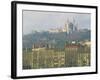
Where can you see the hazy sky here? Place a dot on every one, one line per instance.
(42, 20)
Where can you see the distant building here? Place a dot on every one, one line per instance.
(71, 54)
(69, 27)
(43, 45)
(39, 46)
(72, 47)
(45, 56)
(86, 43)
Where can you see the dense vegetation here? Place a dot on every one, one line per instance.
(58, 39)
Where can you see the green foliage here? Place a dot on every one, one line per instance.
(59, 38)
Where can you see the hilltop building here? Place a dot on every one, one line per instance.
(69, 27)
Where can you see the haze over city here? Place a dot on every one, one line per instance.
(42, 20)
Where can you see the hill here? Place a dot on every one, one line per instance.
(58, 39)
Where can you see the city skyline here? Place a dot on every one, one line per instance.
(43, 21)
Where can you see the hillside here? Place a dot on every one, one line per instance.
(58, 39)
